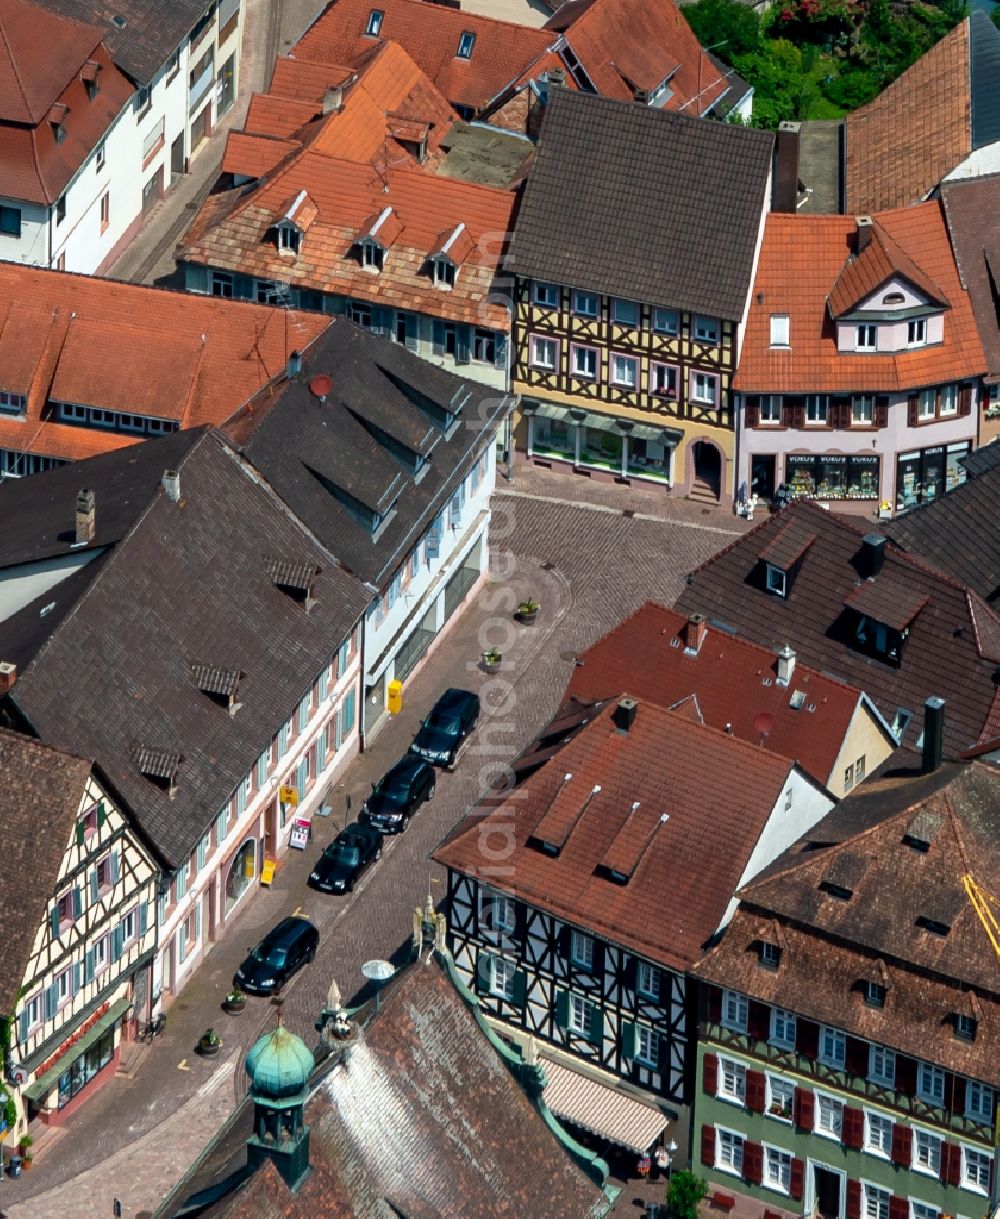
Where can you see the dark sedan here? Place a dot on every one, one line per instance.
(279, 955)
(346, 859)
(444, 732)
(398, 794)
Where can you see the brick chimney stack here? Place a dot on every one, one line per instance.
(86, 516)
(695, 630)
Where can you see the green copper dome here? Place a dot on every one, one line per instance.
(279, 1065)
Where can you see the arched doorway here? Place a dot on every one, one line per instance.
(241, 873)
(707, 482)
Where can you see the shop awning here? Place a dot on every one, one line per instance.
(604, 1111)
(38, 1088)
(545, 410)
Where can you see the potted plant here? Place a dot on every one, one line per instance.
(235, 1001)
(24, 1147)
(527, 611)
(210, 1043)
(492, 659)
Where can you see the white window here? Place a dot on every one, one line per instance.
(625, 313)
(101, 156)
(878, 1134)
(502, 977)
(817, 409)
(624, 371)
(372, 255)
(965, 1027)
(783, 1028)
(374, 23)
(927, 408)
(100, 953)
(128, 927)
(579, 1014)
(704, 387)
(581, 950)
(930, 1084)
(882, 1066)
(775, 580)
(780, 1095)
(770, 408)
(862, 410)
(63, 986)
(465, 44)
(289, 238)
(927, 1152)
(545, 294)
(544, 352)
(916, 333)
(444, 272)
(734, 1011)
(876, 1202)
(729, 1151)
(832, 1046)
(665, 321)
(647, 1046)
(978, 1100)
(829, 1116)
(949, 399)
(585, 304)
(976, 1169)
(706, 329)
(585, 362)
(874, 991)
(777, 1169)
(647, 979)
(732, 1080)
(866, 337)
(920, 1210)
(770, 955)
(779, 330)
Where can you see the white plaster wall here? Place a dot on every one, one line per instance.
(32, 247)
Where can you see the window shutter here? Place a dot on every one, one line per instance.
(50, 1001)
(116, 867)
(519, 990)
(710, 1074)
(462, 345)
(54, 922)
(79, 833)
(562, 1008)
(95, 891)
(484, 965)
(856, 1057)
(182, 939)
(951, 1163)
(957, 1094)
(965, 400)
(197, 922)
(902, 1145)
(596, 1032)
(77, 901)
(708, 1146)
(899, 1208)
(853, 1200)
(412, 334)
(912, 410)
(803, 1104)
(807, 1038)
(882, 411)
(714, 1004)
(906, 1075)
(77, 971)
(755, 1091)
(628, 1040)
(102, 815)
(500, 351)
(753, 1162)
(752, 413)
(598, 966)
(630, 973)
(759, 1020)
(854, 1128)
(143, 918)
(798, 1174)
(117, 940)
(23, 1027)
(89, 965)
(437, 336)
(797, 412)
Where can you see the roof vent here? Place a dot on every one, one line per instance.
(933, 925)
(119, 21)
(171, 482)
(333, 99)
(797, 700)
(160, 766)
(296, 579)
(321, 385)
(8, 675)
(623, 716)
(872, 555)
(86, 521)
(219, 684)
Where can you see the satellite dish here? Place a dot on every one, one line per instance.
(763, 722)
(321, 385)
(378, 971)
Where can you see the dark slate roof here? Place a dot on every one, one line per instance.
(950, 650)
(187, 584)
(981, 460)
(304, 447)
(974, 229)
(153, 29)
(643, 203)
(40, 794)
(958, 533)
(984, 69)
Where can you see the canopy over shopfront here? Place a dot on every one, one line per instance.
(601, 1110)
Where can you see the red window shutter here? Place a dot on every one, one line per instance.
(899, 1208)
(951, 1163)
(957, 1094)
(803, 1105)
(714, 1004)
(906, 1075)
(759, 1021)
(807, 1038)
(755, 1091)
(857, 1056)
(753, 1162)
(912, 410)
(708, 1145)
(965, 400)
(902, 1145)
(840, 413)
(798, 1176)
(710, 1074)
(882, 411)
(853, 1200)
(752, 410)
(854, 1128)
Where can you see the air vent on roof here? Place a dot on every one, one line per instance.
(840, 892)
(797, 700)
(916, 844)
(296, 579)
(220, 685)
(119, 21)
(159, 765)
(932, 925)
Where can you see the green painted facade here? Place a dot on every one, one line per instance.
(818, 1149)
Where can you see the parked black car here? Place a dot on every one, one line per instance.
(279, 955)
(398, 794)
(345, 860)
(444, 731)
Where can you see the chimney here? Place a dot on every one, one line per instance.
(556, 78)
(695, 630)
(86, 525)
(933, 735)
(172, 484)
(786, 665)
(641, 96)
(785, 192)
(294, 364)
(864, 234)
(333, 99)
(872, 555)
(8, 675)
(623, 716)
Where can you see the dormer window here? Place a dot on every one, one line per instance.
(372, 256)
(893, 298)
(374, 26)
(91, 77)
(11, 403)
(774, 580)
(444, 273)
(465, 44)
(289, 239)
(965, 1026)
(769, 955)
(57, 121)
(866, 337)
(874, 993)
(916, 333)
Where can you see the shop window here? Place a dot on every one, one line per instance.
(93, 1060)
(553, 436)
(926, 474)
(831, 476)
(602, 449)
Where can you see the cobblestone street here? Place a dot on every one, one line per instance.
(588, 565)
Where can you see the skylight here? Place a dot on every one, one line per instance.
(374, 26)
(465, 45)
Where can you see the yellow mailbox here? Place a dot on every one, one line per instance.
(395, 697)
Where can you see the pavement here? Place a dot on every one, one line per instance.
(589, 565)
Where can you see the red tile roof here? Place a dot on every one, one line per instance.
(665, 788)
(40, 54)
(881, 260)
(801, 261)
(733, 681)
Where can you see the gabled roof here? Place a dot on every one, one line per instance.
(733, 681)
(191, 359)
(40, 53)
(945, 653)
(672, 242)
(805, 271)
(194, 574)
(40, 794)
(881, 260)
(643, 804)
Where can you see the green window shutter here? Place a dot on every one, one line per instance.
(348, 712)
(520, 989)
(116, 868)
(79, 833)
(437, 337)
(463, 345)
(628, 1040)
(596, 1036)
(102, 815)
(562, 1008)
(77, 901)
(484, 972)
(23, 1029)
(95, 891)
(54, 922)
(143, 918)
(117, 941)
(89, 965)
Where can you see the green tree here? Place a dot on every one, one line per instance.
(684, 1193)
(730, 27)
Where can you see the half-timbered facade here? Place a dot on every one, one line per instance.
(847, 1059)
(77, 893)
(580, 933)
(631, 290)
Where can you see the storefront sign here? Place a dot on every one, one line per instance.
(300, 834)
(71, 1041)
(288, 795)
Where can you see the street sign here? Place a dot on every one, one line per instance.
(288, 795)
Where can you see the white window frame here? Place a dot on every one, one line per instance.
(769, 410)
(705, 387)
(668, 372)
(776, 1088)
(666, 321)
(838, 1038)
(965, 1026)
(878, 1134)
(647, 1045)
(647, 980)
(589, 374)
(374, 25)
(983, 1109)
(926, 1152)
(579, 1014)
(863, 410)
(949, 400)
(289, 238)
(927, 404)
(923, 1210)
(874, 1201)
(916, 332)
(777, 1174)
(502, 973)
(782, 1028)
(882, 1066)
(504, 914)
(828, 1121)
(581, 950)
(444, 272)
(817, 410)
(735, 1011)
(732, 1085)
(541, 342)
(780, 330)
(976, 1164)
(729, 1151)
(770, 954)
(775, 580)
(933, 1095)
(862, 334)
(624, 361)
